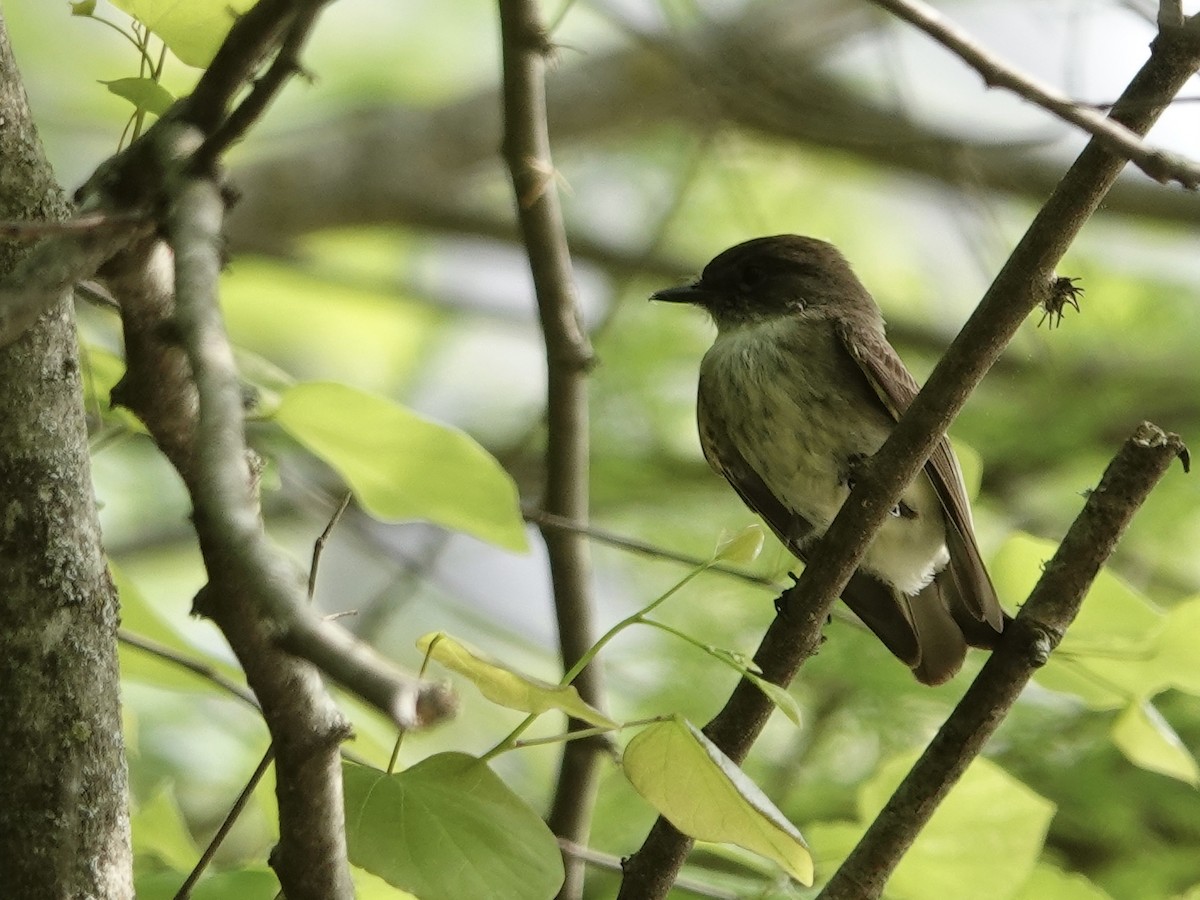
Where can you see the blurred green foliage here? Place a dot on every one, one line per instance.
(431, 308)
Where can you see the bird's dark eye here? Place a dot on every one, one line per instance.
(753, 277)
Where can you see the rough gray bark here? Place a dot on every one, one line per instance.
(64, 824)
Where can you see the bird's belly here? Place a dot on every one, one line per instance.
(803, 440)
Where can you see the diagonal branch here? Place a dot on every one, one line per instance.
(71, 251)
(1160, 165)
(282, 68)
(1021, 284)
(1035, 632)
(568, 358)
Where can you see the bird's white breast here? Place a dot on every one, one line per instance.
(770, 387)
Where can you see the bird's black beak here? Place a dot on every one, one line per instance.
(685, 293)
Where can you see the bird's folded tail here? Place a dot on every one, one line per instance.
(928, 631)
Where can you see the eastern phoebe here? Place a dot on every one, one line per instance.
(798, 388)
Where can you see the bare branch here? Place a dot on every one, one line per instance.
(283, 67)
(222, 832)
(795, 635)
(543, 519)
(568, 358)
(322, 540)
(613, 864)
(197, 667)
(1037, 630)
(253, 37)
(247, 579)
(71, 251)
(1160, 165)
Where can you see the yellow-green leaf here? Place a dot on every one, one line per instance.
(193, 29)
(143, 93)
(159, 831)
(1148, 741)
(742, 547)
(507, 688)
(1051, 881)
(779, 696)
(702, 793)
(449, 829)
(402, 466)
(989, 830)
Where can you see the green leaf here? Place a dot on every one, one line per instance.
(144, 93)
(139, 617)
(447, 829)
(1109, 654)
(238, 884)
(505, 687)
(971, 464)
(1148, 741)
(372, 887)
(988, 831)
(1177, 643)
(159, 831)
(702, 793)
(83, 8)
(779, 696)
(742, 547)
(402, 466)
(193, 29)
(1051, 881)
(1113, 617)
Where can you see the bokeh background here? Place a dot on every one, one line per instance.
(374, 244)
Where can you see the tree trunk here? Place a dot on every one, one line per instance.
(64, 823)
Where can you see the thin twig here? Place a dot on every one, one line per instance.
(544, 519)
(568, 358)
(283, 67)
(243, 797)
(1037, 630)
(795, 635)
(70, 252)
(1160, 165)
(89, 222)
(321, 541)
(195, 666)
(613, 864)
(203, 670)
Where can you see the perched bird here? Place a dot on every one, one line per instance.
(799, 387)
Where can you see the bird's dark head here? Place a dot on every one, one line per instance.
(783, 275)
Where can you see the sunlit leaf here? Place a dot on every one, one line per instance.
(1110, 653)
(402, 466)
(159, 830)
(702, 793)
(193, 29)
(1113, 615)
(236, 884)
(1048, 881)
(1148, 741)
(448, 828)
(742, 547)
(1177, 656)
(971, 464)
(140, 618)
(779, 696)
(143, 93)
(372, 887)
(504, 686)
(988, 831)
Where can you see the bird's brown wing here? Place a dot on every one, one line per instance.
(895, 387)
(877, 604)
